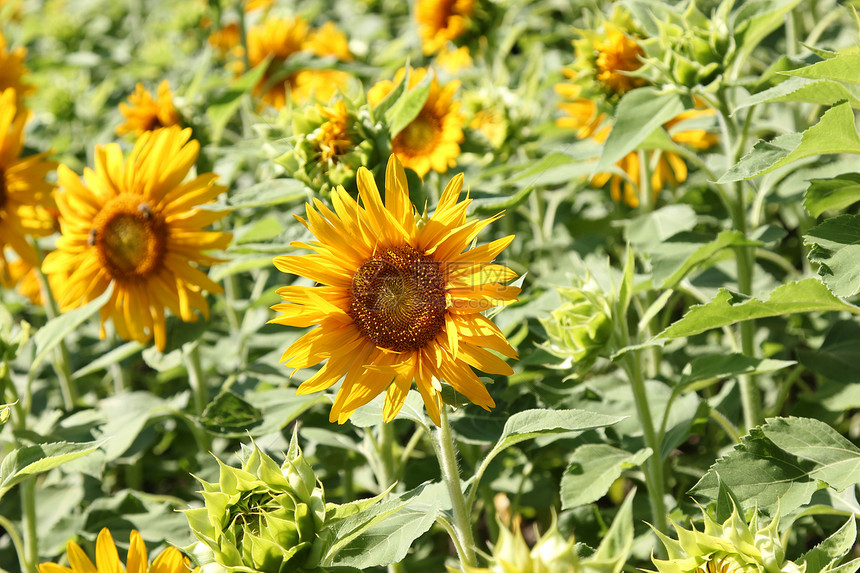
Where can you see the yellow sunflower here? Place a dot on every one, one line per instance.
(441, 21)
(144, 113)
(397, 301)
(667, 167)
(170, 560)
(136, 225)
(452, 61)
(617, 53)
(25, 196)
(12, 72)
(432, 139)
(334, 138)
(280, 38)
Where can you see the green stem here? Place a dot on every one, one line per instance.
(17, 542)
(28, 515)
(444, 442)
(191, 357)
(385, 451)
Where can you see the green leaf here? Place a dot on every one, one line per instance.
(832, 194)
(842, 68)
(755, 20)
(717, 366)
(836, 358)
(409, 105)
(639, 112)
(499, 203)
(727, 502)
(836, 248)
(267, 193)
(370, 415)
(223, 107)
(822, 92)
(30, 460)
(651, 229)
(831, 550)
(593, 468)
(727, 307)
(674, 259)
(230, 415)
(836, 459)
(58, 328)
(760, 474)
(611, 554)
(118, 354)
(127, 416)
(834, 133)
(783, 462)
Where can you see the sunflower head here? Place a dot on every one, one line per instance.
(442, 21)
(170, 560)
(13, 72)
(143, 112)
(279, 39)
(330, 142)
(431, 140)
(26, 203)
(135, 225)
(399, 298)
(733, 546)
(263, 516)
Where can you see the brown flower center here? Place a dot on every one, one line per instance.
(420, 135)
(398, 298)
(130, 239)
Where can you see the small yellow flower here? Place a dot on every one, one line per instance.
(146, 113)
(170, 560)
(453, 61)
(280, 38)
(397, 302)
(25, 196)
(334, 139)
(432, 139)
(135, 225)
(12, 72)
(227, 41)
(617, 53)
(441, 21)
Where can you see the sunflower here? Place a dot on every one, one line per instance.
(144, 113)
(280, 38)
(667, 167)
(398, 301)
(25, 196)
(617, 54)
(441, 21)
(12, 71)
(170, 560)
(135, 225)
(432, 139)
(452, 61)
(334, 139)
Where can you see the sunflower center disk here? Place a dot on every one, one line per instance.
(420, 134)
(130, 239)
(398, 298)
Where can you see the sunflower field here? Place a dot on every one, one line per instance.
(429, 286)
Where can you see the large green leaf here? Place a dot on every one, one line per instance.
(834, 133)
(221, 109)
(727, 307)
(675, 258)
(836, 248)
(831, 550)
(647, 231)
(714, 367)
(822, 92)
(842, 68)
(639, 112)
(755, 20)
(230, 415)
(409, 104)
(56, 329)
(592, 469)
(832, 194)
(836, 359)
(30, 460)
(782, 463)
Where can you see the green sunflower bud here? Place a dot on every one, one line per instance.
(581, 327)
(262, 516)
(734, 546)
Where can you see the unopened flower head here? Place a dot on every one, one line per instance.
(581, 327)
(263, 517)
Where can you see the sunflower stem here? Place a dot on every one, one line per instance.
(386, 454)
(68, 388)
(17, 542)
(191, 357)
(28, 515)
(445, 451)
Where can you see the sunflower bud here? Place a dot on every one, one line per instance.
(262, 517)
(551, 554)
(581, 327)
(734, 546)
